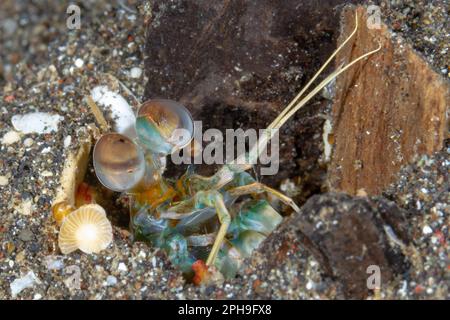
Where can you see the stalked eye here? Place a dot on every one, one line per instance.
(119, 163)
(164, 126)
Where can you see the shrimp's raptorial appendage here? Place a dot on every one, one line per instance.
(258, 187)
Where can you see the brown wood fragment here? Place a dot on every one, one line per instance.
(73, 173)
(388, 110)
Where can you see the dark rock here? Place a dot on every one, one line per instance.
(347, 234)
(238, 63)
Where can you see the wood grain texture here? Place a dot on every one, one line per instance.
(388, 110)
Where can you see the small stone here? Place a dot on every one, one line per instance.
(10, 137)
(38, 122)
(37, 296)
(20, 256)
(26, 235)
(9, 26)
(122, 267)
(79, 63)
(54, 262)
(47, 173)
(427, 230)
(3, 181)
(28, 142)
(309, 285)
(111, 281)
(135, 72)
(10, 247)
(20, 284)
(361, 193)
(26, 207)
(67, 141)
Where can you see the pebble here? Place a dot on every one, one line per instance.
(309, 285)
(28, 142)
(427, 230)
(3, 181)
(111, 281)
(79, 63)
(54, 262)
(26, 207)
(38, 122)
(46, 150)
(20, 257)
(46, 173)
(10, 137)
(67, 141)
(135, 72)
(122, 267)
(9, 26)
(20, 284)
(26, 235)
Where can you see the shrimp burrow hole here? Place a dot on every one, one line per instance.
(243, 211)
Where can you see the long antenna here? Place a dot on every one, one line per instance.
(243, 161)
(306, 87)
(323, 84)
(294, 106)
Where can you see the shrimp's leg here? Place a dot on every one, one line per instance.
(258, 187)
(215, 199)
(212, 199)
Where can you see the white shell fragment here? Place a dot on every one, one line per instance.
(39, 122)
(23, 283)
(327, 129)
(67, 141)
(10, 137)
(121, 112)
(87, 229)
(79, 63)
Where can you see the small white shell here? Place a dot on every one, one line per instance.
(87, 229)
(122, 113)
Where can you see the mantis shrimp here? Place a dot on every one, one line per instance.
(196, 218)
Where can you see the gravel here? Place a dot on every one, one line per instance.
(45, 67)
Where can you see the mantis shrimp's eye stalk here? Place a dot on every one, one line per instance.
(87, 229)
(119, 163)
(164, 126)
